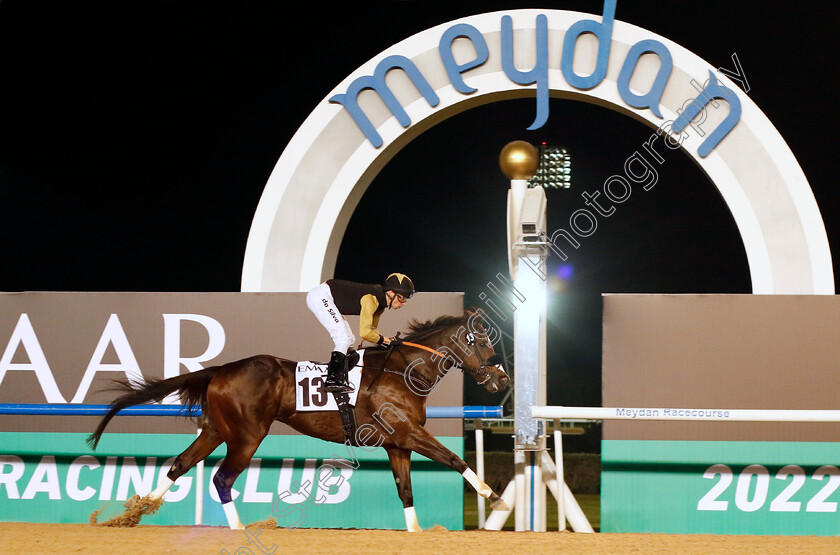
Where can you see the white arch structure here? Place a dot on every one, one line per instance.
(329, 163)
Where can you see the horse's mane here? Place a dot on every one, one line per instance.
(421, 329)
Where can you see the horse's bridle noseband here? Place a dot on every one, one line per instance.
(494, 360)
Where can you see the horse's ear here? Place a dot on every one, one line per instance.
(475, 318)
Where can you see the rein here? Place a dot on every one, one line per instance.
(383, 369)
(492, 361)
(417, 380)
(423, 347)
(442, 355)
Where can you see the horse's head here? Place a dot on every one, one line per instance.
(483, 363)
(464, 342)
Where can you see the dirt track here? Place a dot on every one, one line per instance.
(85, 538)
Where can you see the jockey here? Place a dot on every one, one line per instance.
(331, 300)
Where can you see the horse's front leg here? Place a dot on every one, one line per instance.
(422, 442)
(401, 466)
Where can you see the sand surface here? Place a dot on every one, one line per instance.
(87, 538)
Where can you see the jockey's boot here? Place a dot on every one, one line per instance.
(351, 360)
(337, 374)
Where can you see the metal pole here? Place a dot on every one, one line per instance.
(519, 161)
(479, 468)
(520, 506)
(199, 490)
(561, 478)
(563, 494)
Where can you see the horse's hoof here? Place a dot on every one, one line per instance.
(498, 504)
(131, 501)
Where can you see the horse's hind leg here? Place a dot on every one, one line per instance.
(199, 450)
(401, 466)
(238, 456)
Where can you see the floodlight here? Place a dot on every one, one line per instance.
(554, 170)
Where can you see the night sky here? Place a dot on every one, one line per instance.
(136, 140)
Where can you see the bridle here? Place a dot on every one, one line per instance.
(479, 374)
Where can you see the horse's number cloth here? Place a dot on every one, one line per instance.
(310, 394)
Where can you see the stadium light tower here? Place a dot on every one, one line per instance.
(554, 170)
(534, 470)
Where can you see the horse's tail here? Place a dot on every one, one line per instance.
(191, 388)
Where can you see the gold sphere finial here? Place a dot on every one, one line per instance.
(519, 160)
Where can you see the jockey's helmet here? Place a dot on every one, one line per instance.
(400, 284)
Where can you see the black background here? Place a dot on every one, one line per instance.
(136, 140)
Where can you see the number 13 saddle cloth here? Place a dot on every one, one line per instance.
(310, 394)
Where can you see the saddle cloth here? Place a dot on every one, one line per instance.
(310, 394)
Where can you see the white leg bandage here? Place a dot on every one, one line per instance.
(162, 487)
(482, 488)
(411, 523)
(232, 516)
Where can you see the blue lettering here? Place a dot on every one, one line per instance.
(666, 129)
(603, 31)
(377, 82)
(712, 90)
(538, 75)
(453, 69)
(651, 99)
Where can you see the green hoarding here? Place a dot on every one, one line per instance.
(297, 480)
(720, 487)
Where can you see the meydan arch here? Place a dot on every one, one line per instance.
(352, 133)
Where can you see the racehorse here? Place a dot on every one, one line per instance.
(240, 400)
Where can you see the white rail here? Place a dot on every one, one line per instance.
(557, 413)
(702, 415)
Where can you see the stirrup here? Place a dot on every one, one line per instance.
(338, 386)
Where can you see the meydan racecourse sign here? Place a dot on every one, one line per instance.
(353, 132)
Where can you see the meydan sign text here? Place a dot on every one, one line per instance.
(440, 72)
(538, 76)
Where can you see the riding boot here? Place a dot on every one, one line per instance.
(351, 360)
(337, 374)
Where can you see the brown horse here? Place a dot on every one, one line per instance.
(240, 400)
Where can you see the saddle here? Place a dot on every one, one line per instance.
(310, 395)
